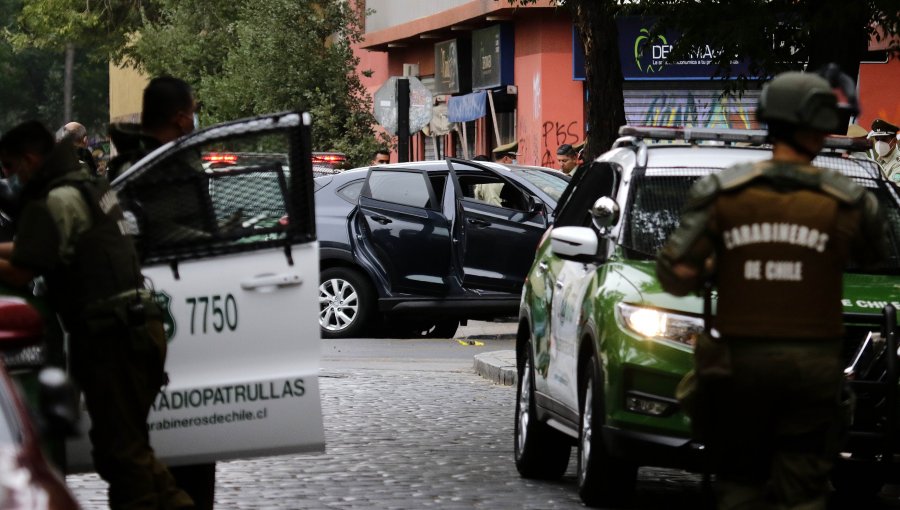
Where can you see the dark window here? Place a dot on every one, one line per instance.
(437, 184)
(350, 192)
(229, 195)
(405, 188)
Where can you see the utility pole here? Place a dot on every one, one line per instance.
(67, 83)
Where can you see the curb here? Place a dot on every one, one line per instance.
(497, 366)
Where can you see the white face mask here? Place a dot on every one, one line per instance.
(882, 148)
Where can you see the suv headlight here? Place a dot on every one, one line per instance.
(659, 325)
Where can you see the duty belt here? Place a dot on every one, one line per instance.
(130, 305)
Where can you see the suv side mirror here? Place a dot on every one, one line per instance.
(575, 243)
(604, 214)
(535, 205)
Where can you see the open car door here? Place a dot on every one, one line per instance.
(498, 227)
(225, 225)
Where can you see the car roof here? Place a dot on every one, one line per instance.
(712, 156)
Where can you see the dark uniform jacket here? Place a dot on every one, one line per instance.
(74, 239)
(782, 235)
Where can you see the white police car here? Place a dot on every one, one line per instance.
(231, 254)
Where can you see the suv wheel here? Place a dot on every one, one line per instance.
(540, 451)
(346, 301)
(602, 478)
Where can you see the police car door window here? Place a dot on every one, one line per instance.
(230, 195)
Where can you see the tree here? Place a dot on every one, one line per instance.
(242, 57)
(31, 85)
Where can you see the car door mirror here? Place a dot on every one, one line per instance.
(535, 205)
(574, 243)
(604, 214)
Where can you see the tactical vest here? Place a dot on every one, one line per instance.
(104, 263)
(783, 243)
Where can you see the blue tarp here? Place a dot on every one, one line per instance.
(467, 107)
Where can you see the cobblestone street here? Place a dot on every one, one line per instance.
(406, 439)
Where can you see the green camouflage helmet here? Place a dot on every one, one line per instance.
(799, 99)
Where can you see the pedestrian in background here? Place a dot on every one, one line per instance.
(381, 157)
(69, 232)
(567, 157)
(884, 136)
(769, 369)
(77, 133)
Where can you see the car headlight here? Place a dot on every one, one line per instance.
(660, 325)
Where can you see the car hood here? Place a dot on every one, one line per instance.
(863, 293)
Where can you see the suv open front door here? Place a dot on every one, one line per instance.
(232, 257)
(496, 222)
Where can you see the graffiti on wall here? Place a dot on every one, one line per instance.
(690, 109)
(554, 134)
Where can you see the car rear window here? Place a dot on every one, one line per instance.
(658, 196)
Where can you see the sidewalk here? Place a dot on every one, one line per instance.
(497, 366)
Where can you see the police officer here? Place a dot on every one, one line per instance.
(776, 236)
(884, 136)
(70, 232)
(506, 153)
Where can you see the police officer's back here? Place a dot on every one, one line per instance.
(775, 236)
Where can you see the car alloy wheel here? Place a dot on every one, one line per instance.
(603, 478)
(540, 451)
(347, 302)
(338, 304)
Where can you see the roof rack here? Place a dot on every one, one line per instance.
(748, 136)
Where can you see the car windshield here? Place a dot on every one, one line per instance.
(658, 195)
(550, 184)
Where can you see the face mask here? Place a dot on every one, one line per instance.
(882, 148)
(15, 185)
(515, 162)
(196, 122)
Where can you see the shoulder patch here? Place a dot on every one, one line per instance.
(840, 187)
(739, 175)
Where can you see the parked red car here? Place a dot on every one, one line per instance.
(27, 480)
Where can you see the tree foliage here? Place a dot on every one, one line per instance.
(242, 57)
(31, 82)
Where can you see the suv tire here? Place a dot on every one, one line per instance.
(346, 302)
(602, 478)
(540, 451)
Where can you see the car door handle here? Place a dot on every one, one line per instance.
(384, 220)
(478, 223)
(543, 266)
(560, 284)
(271, 281)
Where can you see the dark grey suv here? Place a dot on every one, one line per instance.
(419, 247)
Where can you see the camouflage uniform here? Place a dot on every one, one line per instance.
(70, 232)
(780, 235)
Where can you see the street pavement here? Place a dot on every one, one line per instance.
(408, 425)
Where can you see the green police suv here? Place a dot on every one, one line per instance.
(601, 347)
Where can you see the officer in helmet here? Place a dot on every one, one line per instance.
(884, 137)
(773, 237)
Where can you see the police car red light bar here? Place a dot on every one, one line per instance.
(329, 158)
(215, 157)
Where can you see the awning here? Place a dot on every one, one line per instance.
(467, 107)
